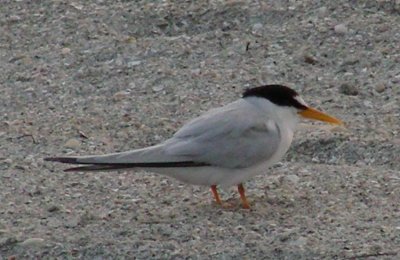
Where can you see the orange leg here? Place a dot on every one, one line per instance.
(215, 193)
(243, 196)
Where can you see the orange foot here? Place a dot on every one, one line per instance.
(241, 190)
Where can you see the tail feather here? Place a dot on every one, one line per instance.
(100, 166)
(151, 157)
(88, 168)
(71, 160)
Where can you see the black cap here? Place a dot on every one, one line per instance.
(277, 94)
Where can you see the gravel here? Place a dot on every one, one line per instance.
(97, 76)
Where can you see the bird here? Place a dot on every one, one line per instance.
(225, 146)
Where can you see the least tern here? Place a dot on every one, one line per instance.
(224, 146)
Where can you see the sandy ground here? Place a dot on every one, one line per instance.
(89, 77)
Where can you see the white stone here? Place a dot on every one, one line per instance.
(33, 242)
(341, 28)
(72, 143)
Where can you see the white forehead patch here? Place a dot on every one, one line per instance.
(301, 101)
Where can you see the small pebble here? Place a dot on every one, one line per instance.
(8, 161)
(292, 178)
(158, 88)
(65, 51)
(132, 85)
(368, 104)
(300, 242)
(33, 242)
(257, 28)
(315, 160)
(348, 89)
(134, 63)
(72, 143)
(380, 88)
(322, 11)
(396, 5)
(226, 26)
(4, 231)
(310, 59)
(14, 18)
(390, 106)
(53, 208)
(341, 28)
(71, 223)
(121, 95)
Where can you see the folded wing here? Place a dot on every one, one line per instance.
(235, 136)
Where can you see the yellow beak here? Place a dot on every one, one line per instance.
(318, 115)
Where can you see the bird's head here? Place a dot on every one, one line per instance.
(285, 97)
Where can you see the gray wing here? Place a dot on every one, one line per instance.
(235, 136)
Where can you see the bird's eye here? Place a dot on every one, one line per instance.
(301, 101)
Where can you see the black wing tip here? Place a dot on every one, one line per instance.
(119, 166)
(98, 167)
(74, 169)
(72, 160)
